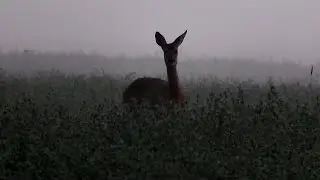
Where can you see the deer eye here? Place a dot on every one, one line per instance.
(165, 49)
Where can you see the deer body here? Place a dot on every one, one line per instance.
(155, 90)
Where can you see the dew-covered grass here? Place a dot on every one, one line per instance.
(55, 126)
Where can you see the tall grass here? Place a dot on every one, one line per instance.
(55, 126)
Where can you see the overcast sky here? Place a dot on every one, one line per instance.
(242, 28)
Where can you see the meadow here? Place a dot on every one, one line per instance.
(59, 126)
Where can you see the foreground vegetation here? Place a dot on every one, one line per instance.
(70, 127)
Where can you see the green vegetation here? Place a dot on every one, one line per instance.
(55, 126)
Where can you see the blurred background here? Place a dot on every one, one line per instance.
(244, 39)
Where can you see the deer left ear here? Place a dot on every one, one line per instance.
(179, 39)
(161, 41)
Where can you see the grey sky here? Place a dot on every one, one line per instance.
(244, 28)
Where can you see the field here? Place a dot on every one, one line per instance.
(58, 126)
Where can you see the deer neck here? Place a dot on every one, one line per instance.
(174, 83)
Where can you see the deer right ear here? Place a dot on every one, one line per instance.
(179, 39)
(161, 41)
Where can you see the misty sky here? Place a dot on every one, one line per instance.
(243, 28)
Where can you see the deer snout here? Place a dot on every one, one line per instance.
(171, 62)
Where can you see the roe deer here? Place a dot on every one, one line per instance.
(154, 90)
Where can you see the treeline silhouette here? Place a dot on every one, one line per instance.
(29, 62)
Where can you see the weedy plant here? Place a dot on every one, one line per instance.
(55, 126)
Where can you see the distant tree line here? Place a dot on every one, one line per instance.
(30, 61)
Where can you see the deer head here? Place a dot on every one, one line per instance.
(170, 50)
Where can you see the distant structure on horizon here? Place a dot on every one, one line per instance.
(30, 51)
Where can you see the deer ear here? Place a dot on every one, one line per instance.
(179, 39)
(161, 41)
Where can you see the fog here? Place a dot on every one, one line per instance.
(286, 29)
(243, 39)
(30, 63)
